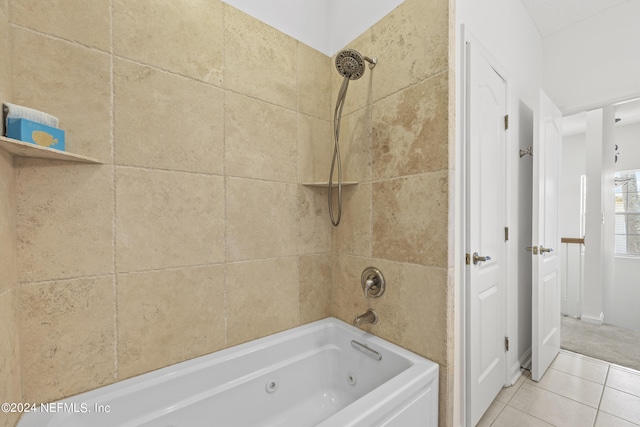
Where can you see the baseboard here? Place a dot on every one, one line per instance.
(594, 320)
(523, 362)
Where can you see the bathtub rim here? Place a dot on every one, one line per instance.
(419, 370)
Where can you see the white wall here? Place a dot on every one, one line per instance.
(608, 202)
(573, 166)
(621, 302)
(595, 62)
(325, 25)
(598, 256)
(590, 64)
(522, 212)
(621, 295)
(628, 140)
(506, 30)
(573, 161)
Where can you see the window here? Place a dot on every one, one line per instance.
(627, 212)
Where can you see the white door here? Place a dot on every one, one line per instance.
(546, 289)
(485, 222)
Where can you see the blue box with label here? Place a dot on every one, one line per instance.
(35, 133)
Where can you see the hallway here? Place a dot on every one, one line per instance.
(576, 391)
(607, 342)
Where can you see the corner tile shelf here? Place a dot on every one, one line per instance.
(25, 149)
(326, 184)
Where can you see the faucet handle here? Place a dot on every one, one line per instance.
(372, 282)
(370, 286)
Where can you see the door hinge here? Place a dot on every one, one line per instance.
(506, 234)
(506, 343)
(506, 122)
(467, 259)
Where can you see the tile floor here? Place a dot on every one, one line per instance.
(576, 391)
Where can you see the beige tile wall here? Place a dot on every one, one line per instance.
(194, 234)
(66, 336)
(396, 126)
(206, 126)
(68, 80)
(10, 374)
(151, 314)
(7, 181)
(7, 224)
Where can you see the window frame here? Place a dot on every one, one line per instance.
(626, 213)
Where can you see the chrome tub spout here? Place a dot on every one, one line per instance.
(370, 316)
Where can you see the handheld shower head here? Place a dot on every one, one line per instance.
(350, 63)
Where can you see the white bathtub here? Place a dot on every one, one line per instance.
(312, 375)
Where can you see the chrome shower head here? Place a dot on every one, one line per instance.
(350, 63)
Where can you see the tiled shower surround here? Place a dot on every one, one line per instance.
(196, 233)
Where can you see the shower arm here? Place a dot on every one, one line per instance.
(372, 61)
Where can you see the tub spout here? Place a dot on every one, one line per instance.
(369, 317)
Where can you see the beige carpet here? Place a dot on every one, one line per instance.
(610, 343)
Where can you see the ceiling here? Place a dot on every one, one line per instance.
(325, 25)
(551, 16)
(627, 112)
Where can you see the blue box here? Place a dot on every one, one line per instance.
(35, 133)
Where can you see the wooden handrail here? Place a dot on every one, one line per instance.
(579, 240)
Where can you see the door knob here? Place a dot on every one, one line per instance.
(543, 249)
(533, 249)
(477, 258)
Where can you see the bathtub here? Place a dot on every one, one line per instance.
(325, 373)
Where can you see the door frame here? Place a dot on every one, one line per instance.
(461, 355)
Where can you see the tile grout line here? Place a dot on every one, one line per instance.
(114, 230)
(584, 357)
(520, 410)
(597, 409)
(577, 376)
(524, 380)
(554, 393)
(527, 413)
(560, 395)
(604, 386)
(297, 166)
(498, 416)
(224, 178)
(57, 38)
